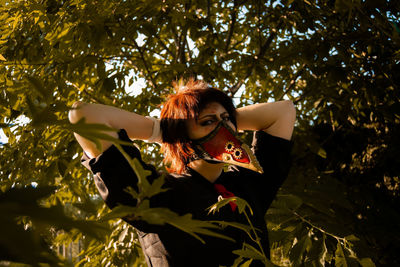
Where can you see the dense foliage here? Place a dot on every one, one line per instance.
(335, 59)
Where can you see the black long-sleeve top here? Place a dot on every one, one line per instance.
(192, 193)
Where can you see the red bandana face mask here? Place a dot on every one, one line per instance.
(222, 145)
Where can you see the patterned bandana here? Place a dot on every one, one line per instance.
(222, 145)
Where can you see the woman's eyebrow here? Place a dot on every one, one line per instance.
(208, 115)
(213, 115)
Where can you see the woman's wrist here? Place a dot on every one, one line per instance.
(156, 136)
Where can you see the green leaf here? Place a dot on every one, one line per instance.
(161, 216)
(184, 223)
(296, 254)
(27, 203)
(288, 201)
(241, 203)
(249, 252)
(366, 262)
(343, 258)
(64, 31)
(289, 2)
(246, 263)
(318, 252)
(243, 227)
(94, 132)
(38, 85)
(146, 190)
(118, 212)
(322, 153)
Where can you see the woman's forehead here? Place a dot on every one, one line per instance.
(212, 107)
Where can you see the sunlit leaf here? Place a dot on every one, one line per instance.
(241, 203)
(366, 262)
(297, 252)
(343, 258)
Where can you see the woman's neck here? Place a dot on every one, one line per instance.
(209, 171)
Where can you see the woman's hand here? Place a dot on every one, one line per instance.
(276, 118)
(136, 126)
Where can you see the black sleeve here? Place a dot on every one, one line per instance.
(273, 153)
(113, 174)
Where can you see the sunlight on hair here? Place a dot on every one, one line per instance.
(191, 83)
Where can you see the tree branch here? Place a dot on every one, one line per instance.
(293, 81)
(15, 63)
(152, 81)
(233, 90)
(164, 45)
(189, 51)
(268, 42)
(240, 41)
(338, 238)
(182, 38)
(176, 41)
(92, 97)
(231, 26)
(182, 41)
(147, 49)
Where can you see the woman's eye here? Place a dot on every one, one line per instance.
(207, 122)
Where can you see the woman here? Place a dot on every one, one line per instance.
(197, 134)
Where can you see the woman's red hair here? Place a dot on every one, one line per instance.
(187, 103)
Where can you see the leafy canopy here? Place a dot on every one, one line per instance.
(337, 60)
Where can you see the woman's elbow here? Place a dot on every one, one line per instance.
(288, 113)
(291, 108)
(288, 110)
(75, 114)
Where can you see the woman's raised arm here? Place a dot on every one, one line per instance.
(275, 118)
(136, 126)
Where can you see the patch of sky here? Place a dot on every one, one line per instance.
(229, 4)
(227, 65)
(131, 81)
(296, 93)
(333, 51)
(370, 73)
(136, 87)
(310, 32)
(22, 120)
(220, 22)
(137, 83)
(3, 138)
(239, 93)
(155, 113)
(389, 14)
(192, 47)
(275, 3)
(285, 37)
